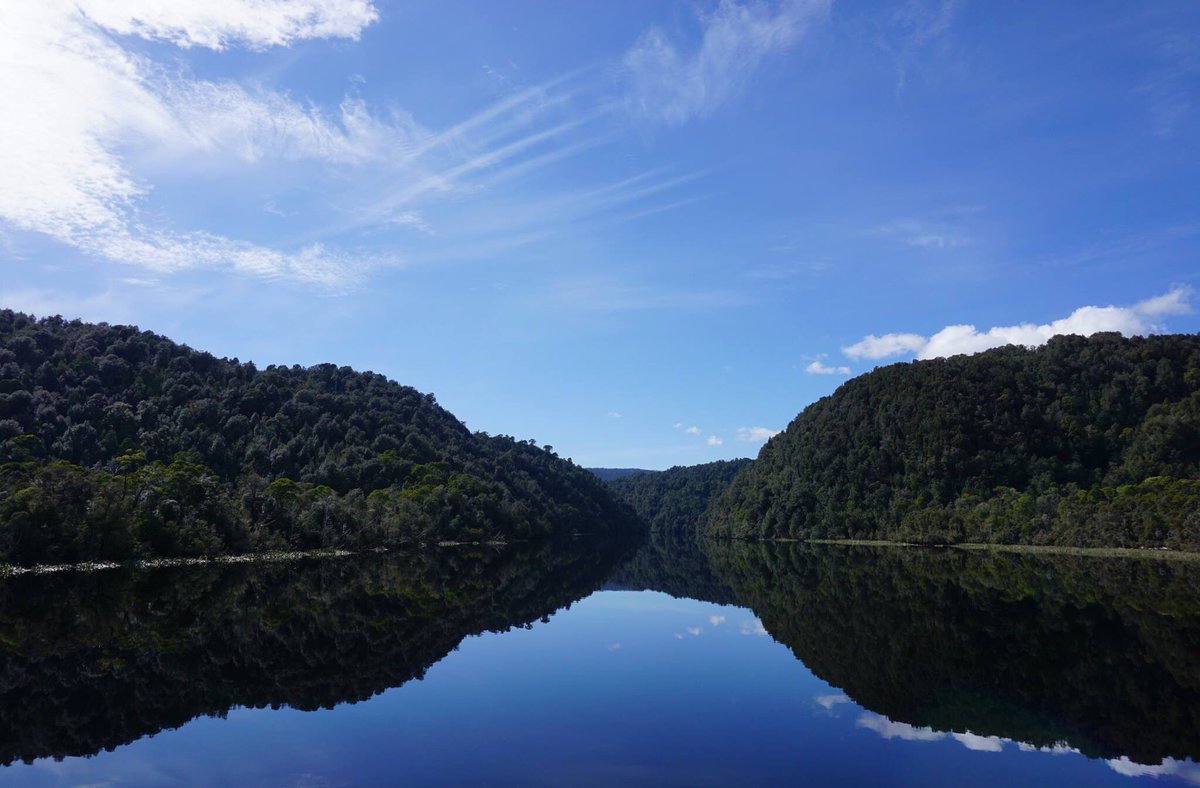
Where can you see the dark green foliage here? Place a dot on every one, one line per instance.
(610, 474)
(674, 564)
(1085, 441)
(117, 443)
(676, 499)
(93, 660)
(1100, 653)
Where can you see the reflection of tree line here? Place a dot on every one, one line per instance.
(674, 564)
(94, 660)
(1103, 654)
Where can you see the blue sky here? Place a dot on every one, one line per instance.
(645, 233)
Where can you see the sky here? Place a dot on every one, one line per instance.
(647, 234)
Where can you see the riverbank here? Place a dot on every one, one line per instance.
(1160, 553)
(10, 570)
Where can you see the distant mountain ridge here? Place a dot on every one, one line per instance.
(118, 443)
(1084, 441)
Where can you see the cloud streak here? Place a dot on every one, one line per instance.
(670, 84)
(1144, 317)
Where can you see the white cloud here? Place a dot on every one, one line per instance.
(673, 86)
(75, 98)
(678, 425)
(692, 430)
(755, 434)
(612, 414)
(873, 347)
(713, 440)
(716, 621)
(695, 630)
(1139, 319)
(817, 368)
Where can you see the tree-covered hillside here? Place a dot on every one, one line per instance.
(118, 443)
(675, 500)
(1085, 441)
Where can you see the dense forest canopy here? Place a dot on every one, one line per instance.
(1084, 441)
(675, 500)
(118, 443)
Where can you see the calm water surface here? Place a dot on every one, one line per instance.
(720, 665)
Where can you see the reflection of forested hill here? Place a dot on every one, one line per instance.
(93, 660)
(675, 565)
(1103, 654)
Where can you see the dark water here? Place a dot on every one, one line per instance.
(578, 665)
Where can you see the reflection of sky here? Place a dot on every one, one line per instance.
(611, 691)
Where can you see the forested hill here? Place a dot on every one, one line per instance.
(118, 443)
(1086, 441)
(675, 500)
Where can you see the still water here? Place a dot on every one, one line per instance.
(589, 664)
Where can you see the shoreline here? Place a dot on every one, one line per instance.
(268, 556)
(1160, 553)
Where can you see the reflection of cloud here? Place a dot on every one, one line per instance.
(829, 701)
(897, 730)
(889, 729)
(979, 743)
(695, 630)
(1187, 771)
(1061, 748)
(753, 626)
(716, 621)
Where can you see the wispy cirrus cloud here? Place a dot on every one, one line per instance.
(1144, 317)
(90, 121)
(673, 83)
(913, 28)
(924, 235)
(75, 99)
(218, 24)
